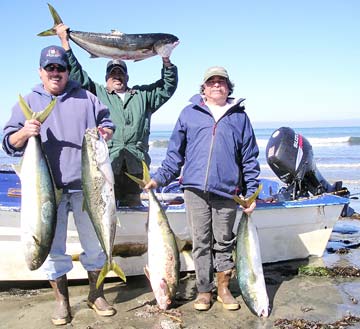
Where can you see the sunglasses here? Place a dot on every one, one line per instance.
(52, 68)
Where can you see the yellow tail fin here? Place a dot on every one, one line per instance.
(146, 176)
(106, 269)
(248, 201)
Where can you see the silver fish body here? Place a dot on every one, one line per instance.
(118, 45)
(99, 199)
(163, 255)
(249, 268)
(123, 46)
(38, 200)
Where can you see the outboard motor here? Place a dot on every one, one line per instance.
(290, 156)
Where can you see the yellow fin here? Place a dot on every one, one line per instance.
(57, 20)
(40, 116)
(106, 269)
(146, 176)
(248, 201)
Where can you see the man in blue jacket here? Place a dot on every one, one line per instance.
(61, 134)
(214, 144)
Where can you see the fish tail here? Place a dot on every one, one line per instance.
(57, 20)
(248, 201)
(146, 176)
(40, 116)
(106, 269)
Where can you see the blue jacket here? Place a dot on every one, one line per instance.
(218, 157)
(62, 132)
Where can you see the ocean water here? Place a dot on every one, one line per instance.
(336, 152)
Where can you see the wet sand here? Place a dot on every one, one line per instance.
(292, 296)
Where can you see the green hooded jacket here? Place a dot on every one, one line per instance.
(130, 142)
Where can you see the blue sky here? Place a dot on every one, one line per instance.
(292, 60)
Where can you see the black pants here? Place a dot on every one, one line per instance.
(127, 192)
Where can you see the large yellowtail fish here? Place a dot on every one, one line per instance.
(99, 199)
(38, 201)
(163, 267)
(118, 45)
(249, 268)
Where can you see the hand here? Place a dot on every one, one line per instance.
(166, 50)
(106, 133)
(62, 32)
(31, 128)
(151, 185)
(250, 209)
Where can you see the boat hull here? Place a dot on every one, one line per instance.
(287, 230)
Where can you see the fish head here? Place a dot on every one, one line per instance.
(165, 46)
(163, 295)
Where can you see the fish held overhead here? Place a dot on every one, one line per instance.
(118, 45)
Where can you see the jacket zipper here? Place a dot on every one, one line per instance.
(210, 156)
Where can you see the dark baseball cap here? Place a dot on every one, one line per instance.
(53, 55)
(115, 63)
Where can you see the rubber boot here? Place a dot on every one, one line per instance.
(224, 294)
(62, 312)
(96, 299)
(203, 301)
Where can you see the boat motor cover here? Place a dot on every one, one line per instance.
(290, 156)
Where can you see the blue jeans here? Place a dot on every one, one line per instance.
(92, 258)
(211, 220)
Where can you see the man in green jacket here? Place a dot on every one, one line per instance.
(130, 111)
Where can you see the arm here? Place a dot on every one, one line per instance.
(159, 92)
(174, 160)
(76, 71)
(250, 164)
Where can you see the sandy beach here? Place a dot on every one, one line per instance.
(310, 299)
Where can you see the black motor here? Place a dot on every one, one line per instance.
(290, 156)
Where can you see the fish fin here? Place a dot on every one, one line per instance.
(248, 201)
(104, 271)
(57, 20)
(40, 116)
(58, 195)
(17, 169)
(180, 243)
(146, 176)
(146, 271)
(117, 269)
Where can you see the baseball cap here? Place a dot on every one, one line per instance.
(115, 63)
(53, 55)
(215, 70)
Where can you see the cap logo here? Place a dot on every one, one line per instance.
(53, 53)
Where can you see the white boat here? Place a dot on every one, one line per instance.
(287, 230)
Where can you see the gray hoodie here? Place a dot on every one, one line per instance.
(62, 132)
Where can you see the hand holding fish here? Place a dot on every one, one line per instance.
(62, 32)
(250, 208)
(166, 49)
(19, 138)
(151, 185)
(106, 133)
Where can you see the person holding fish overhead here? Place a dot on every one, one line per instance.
(131, 109)
(70, 110)
(213, 142)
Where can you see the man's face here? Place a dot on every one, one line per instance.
(54, 78)
(216, 89)
(117, 80)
